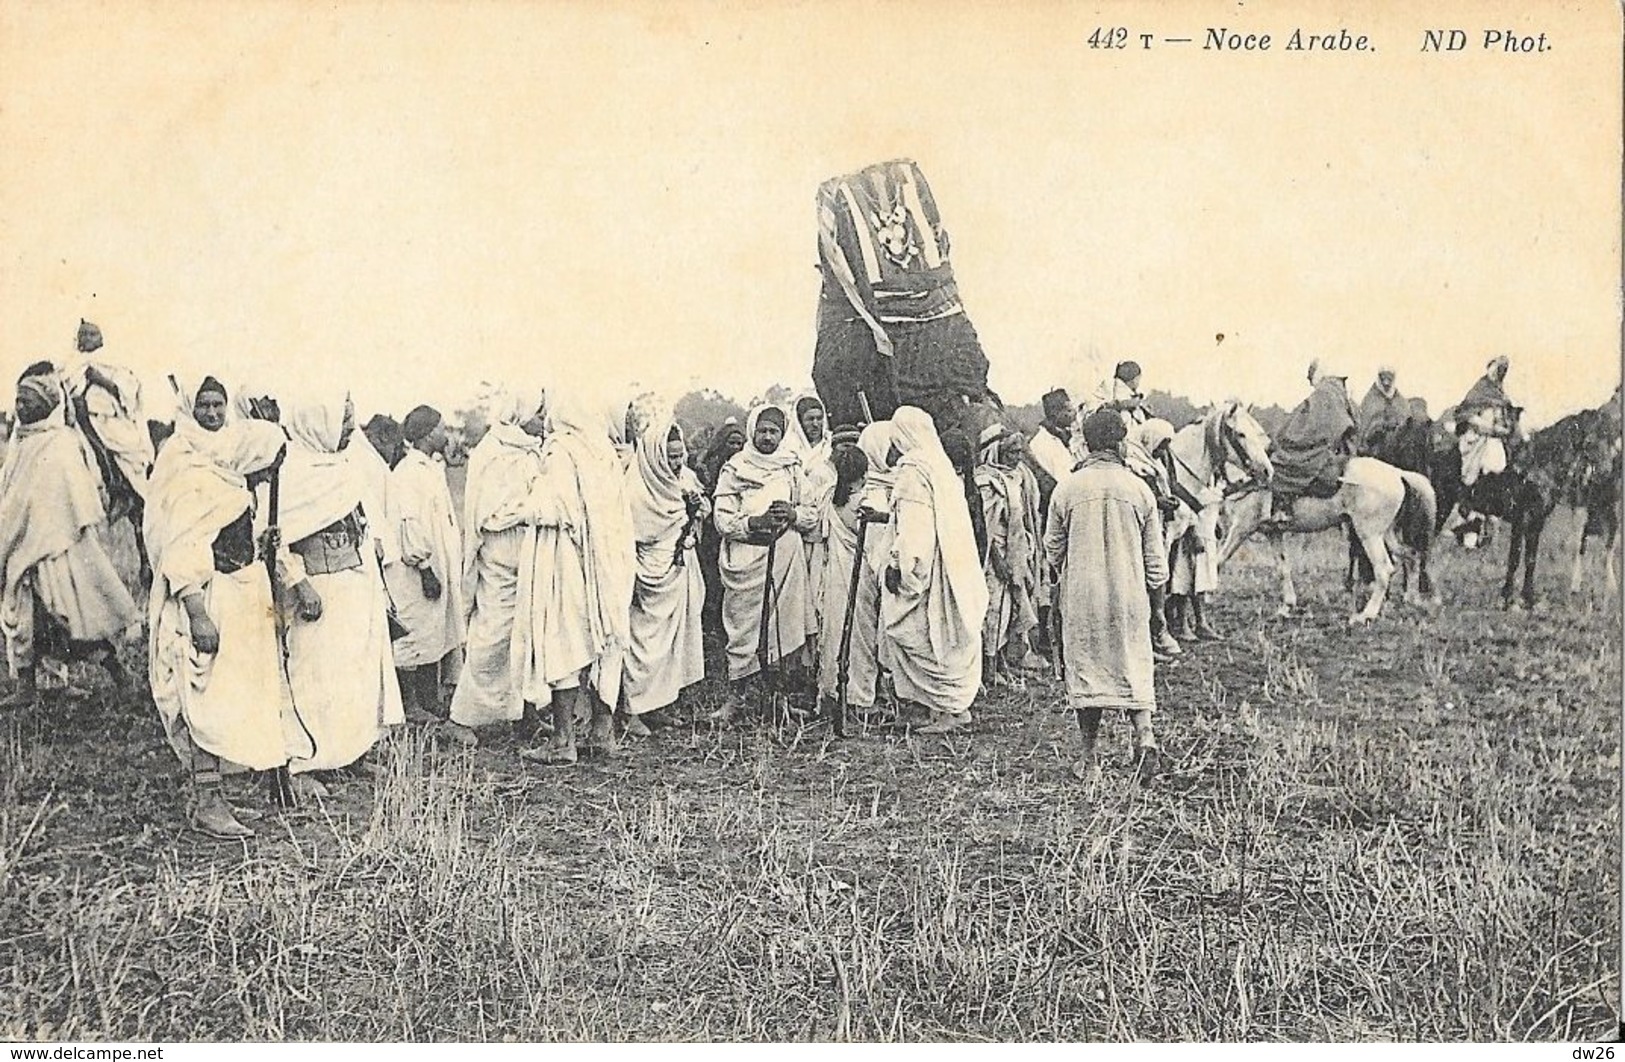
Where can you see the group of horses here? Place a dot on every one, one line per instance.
(1393, 513)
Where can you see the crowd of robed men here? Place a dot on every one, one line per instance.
(314, 586)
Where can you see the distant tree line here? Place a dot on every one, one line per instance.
(702, 412)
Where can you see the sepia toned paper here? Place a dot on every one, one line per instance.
(415, 197)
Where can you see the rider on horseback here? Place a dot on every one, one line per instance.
(1487, 431)
(1487, 424)
(1314, 444)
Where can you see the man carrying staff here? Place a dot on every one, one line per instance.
(216, 665)
(426, 586)
(760, 499)
(58, 586)
(1104, 536)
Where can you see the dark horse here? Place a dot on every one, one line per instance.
(1573, 461)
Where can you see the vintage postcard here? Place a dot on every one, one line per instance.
(761, 521)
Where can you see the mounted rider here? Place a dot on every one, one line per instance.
(1383, 412)
(1315, 444)
(1487, 424)
(1122, 395)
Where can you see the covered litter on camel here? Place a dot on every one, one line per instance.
(890, 321)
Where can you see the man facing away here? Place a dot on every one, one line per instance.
(1315, 443)
(1104, 537)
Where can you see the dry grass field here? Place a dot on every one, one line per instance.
(1408, 832)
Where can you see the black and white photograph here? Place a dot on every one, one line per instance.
(880, 521)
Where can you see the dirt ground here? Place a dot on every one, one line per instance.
(1403, 832)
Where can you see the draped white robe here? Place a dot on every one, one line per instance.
(934, 620)
(750, 482)
(234, 703)
(341, 668)
(666, 653)
(496, 540)
(428, 537)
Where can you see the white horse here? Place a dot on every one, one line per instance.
(1390, 510)
(1226, 449)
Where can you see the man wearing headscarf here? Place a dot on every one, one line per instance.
(809, 433)
(1143, 453)
(59, 590)
(1191, 530)
(581, 575)
(1485, 419)
(936, 597)
(728, 440)
(868, 655)
(216, 665)
(1122, 395)
(1383, 412)
(340, 666)
(1315, 443)
(426, 585)
(1009, 516)
(1104, 535)
(497, 538)
(761, 498)
(842, 515)
(666, 653)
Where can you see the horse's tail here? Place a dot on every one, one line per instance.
(1417, 521)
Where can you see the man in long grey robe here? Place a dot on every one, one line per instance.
(1103, 535)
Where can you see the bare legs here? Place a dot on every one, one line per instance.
(1147, 756)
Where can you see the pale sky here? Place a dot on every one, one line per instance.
(410, 197)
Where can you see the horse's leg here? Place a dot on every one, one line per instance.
(1245, 518)
(1406, 560)
(1382, 570)
(1289, 593)
(1531, 553)
(1514, 555)
(1576, 576)
(1610, 574)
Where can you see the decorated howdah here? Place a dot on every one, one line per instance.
(891, 327)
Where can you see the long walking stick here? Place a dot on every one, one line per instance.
(843, 657)
(281, 783)
(768, 685)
